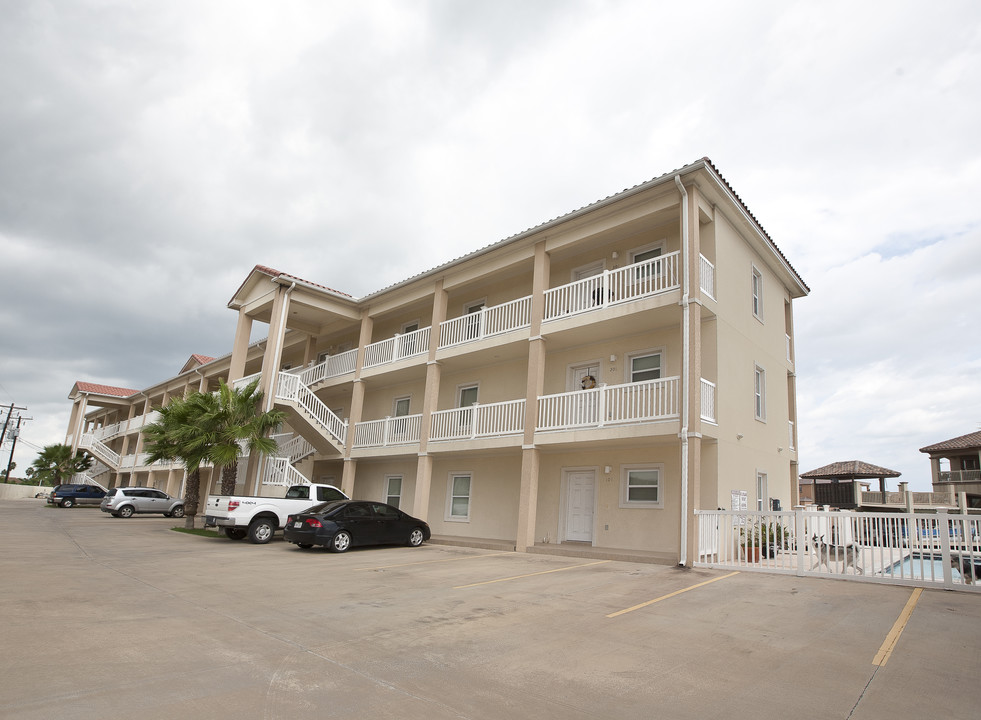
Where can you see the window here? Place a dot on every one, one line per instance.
(400, 408)
(645, 367)
(383, 511)
(329, 494)
(393, 493)
(473, 324)
(761, 491)
(760, 393)
(458, 498)
(645, 253)
(757, 294)
(640, 486)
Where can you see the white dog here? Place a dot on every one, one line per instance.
(826, 554)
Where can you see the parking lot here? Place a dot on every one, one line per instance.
(112, 618)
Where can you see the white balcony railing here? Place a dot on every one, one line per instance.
(708, 401)
(611, 287)
(243, 382)
(333, 366)
(486, 322)
(706, 276)
(402, 430)
(397, 348)
(610, 405)
(478, 421)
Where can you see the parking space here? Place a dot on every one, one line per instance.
(115, 618)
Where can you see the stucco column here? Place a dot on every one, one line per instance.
(935, 471)
(77, 423)
(348, 475)
(534, 387)
(430, 403)
(240, 347)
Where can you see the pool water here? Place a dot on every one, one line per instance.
(920, 568)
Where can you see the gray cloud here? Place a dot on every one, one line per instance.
(151, 155)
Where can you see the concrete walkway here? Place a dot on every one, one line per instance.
(111, 618)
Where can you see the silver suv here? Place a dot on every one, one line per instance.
(126, 501)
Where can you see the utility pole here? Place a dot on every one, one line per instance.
(15, 433)
(10, 414)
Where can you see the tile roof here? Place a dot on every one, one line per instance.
(202, 359)
(104, 389)
(964, 442)
(850, 469)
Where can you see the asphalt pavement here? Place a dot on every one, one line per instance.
(111, 618)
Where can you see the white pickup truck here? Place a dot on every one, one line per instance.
(260, 517)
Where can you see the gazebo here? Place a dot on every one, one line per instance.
(838, 489)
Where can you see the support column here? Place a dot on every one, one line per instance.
(534, 387)
(348, 475)
(430, 403)
(272, 359)
(240, 347)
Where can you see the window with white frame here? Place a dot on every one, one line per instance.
(757, 294)
(393, 490)
(761, 491)
(458, 497)
(640, 486)
(644, 366)
(760, 393)
(400, 407)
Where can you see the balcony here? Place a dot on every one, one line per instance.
(649, 401)
(613, 287)
(397, 348)
(956, 476)
(487, 322)
(479, 421)
(403, 430)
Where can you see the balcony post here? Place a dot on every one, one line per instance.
(385, 430)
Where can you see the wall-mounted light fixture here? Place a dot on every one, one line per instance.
(607, 469)
(739, 436)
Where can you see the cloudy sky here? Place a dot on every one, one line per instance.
(152, 153)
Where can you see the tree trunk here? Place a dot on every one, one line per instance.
(191, 498)
(229, 476)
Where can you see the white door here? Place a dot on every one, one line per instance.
(581, 489)
(585, 408)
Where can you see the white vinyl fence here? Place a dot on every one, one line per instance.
(927, 550)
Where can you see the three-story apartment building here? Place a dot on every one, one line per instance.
(594, 380)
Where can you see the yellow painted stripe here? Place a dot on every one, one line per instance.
(430, 562)
(518, 577)
(882, 657)
(671, 595)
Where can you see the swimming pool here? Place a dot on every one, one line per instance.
(920, 566)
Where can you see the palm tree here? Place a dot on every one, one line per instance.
(235, 425)
(211, 428)
(56, 463)
(178, 435)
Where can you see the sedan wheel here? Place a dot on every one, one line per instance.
(177, 511)
(125, 511)
(416, 537)
(340, 542)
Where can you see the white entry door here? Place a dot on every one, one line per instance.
(579, 520)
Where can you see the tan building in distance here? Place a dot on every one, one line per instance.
(593, 380)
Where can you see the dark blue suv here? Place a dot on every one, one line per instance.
(69, 495)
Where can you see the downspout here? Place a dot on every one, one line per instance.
(685, 343)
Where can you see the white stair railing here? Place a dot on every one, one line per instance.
(295, 448)
(280, 471)
(291, 389)
(99, 450)
(333, 366)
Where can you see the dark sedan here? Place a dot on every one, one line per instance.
(343, 524)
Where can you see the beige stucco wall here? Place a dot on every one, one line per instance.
(495, 481)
